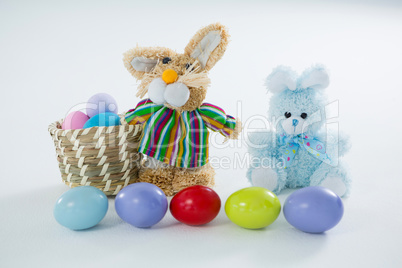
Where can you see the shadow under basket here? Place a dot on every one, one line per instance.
(104, 157)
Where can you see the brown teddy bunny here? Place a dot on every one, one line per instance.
(175, 119)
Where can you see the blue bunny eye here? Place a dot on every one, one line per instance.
(303, 115)
(287, 114)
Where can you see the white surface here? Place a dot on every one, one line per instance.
(56, 55)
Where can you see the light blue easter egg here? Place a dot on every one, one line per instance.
(103, 120)
(81, 207)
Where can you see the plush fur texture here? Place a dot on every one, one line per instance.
(305, 95)
(192, 73)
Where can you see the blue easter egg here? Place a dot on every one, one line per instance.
(313, 209)
(81, 208)
(101, 103)
(103, 120)
(141, 204)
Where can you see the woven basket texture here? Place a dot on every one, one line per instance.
(103, 157)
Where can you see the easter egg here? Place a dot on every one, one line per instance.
(313, 209)
(141, 204)
(253, 207)
(101, 103)
(81, 208)
(75, 120)
(103, 120)
(195, 205)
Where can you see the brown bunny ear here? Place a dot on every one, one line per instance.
(208, 45)
(141, 60)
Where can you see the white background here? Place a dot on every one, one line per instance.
(54, 55)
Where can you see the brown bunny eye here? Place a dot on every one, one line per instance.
(188, 66)
(166, 60)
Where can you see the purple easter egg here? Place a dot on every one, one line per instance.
(313, 209)
(75, 120)
(141, 204)
(101, 103)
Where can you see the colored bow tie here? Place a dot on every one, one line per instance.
(293, 143)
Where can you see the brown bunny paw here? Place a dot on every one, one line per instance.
(161, 177)
(186, 177)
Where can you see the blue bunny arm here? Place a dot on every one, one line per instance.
(344, 144)
(335, 141)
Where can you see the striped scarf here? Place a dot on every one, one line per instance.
(179, 139)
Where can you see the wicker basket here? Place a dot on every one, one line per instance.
(104, 157)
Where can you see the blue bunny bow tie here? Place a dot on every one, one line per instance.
(311, 144)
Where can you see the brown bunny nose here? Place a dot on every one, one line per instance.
(169, 76)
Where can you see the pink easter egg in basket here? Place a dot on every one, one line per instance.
(75, 120)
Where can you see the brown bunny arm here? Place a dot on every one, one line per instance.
(236, 132)
(142, 112)
(217, 120)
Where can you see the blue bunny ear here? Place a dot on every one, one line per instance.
(280, 79)
(315, 77)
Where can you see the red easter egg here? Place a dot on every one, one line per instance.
(195, 205)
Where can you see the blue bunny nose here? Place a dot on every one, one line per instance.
(295, 122)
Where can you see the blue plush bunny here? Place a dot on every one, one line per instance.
(298, 151)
